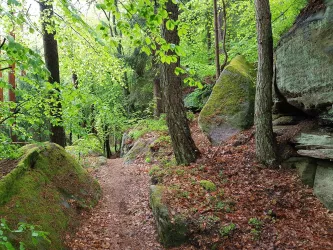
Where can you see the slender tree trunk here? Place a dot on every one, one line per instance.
(52, 64)
(11, 94)
(265, 142)
(11, 79)
(158, 97)
(183, 145)
(1, 89)
(107, 148)
(224, 35)
(217, 49)
(75, 81)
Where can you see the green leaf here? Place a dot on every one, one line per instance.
(170, 25)
(180, 51)
(148, 40)
(13, 2)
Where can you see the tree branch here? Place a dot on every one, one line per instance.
(6, 68)
(3, 42)
(15, 112)
(77, 32)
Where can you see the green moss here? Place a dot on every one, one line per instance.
(46, 189)
(208, 185)
(232, 99)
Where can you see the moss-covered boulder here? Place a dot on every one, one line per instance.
(171, 231)
(47, 188)
(230, 107)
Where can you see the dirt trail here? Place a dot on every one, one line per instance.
(122, 219)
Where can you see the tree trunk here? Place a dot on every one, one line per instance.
(265, 142)
(11, 94)
(107, 148)
(1, 89)
(183, 145)
(217, 49)
(158, 97)
(224, 35)
(52, 64)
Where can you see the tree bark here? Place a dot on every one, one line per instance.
(52, 64)
(183, 145)
(224, 35)
(217, 49)
(11, 93)
(1, 89)
(107, 148)
(265, 141)
(158, 97)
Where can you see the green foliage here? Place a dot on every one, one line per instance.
(148, 125)
(256, 227)
(148, 159)
(155, 169)
(208, 185)
(257, 223)
(23, 228)
(227, 230)
(196, 100)
(88, 145)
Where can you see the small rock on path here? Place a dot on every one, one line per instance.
(122, 219)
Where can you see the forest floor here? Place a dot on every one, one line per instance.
(122, 219)
(267, 208)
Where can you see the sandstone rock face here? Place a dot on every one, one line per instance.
(304, 63)
(230, 107)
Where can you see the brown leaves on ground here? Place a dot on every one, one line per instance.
(269, 208)
(122, 219)
(253, 207)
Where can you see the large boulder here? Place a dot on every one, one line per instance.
(230, 107)
(323, 185)
(48, 188)
(304, 62)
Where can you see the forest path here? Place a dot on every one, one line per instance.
(122, 219)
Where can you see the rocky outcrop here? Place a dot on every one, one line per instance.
(172, 230)
(303, 121)
(230, 107)
(304, 62)
(140, 148)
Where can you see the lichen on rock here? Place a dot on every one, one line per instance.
(230, 107)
